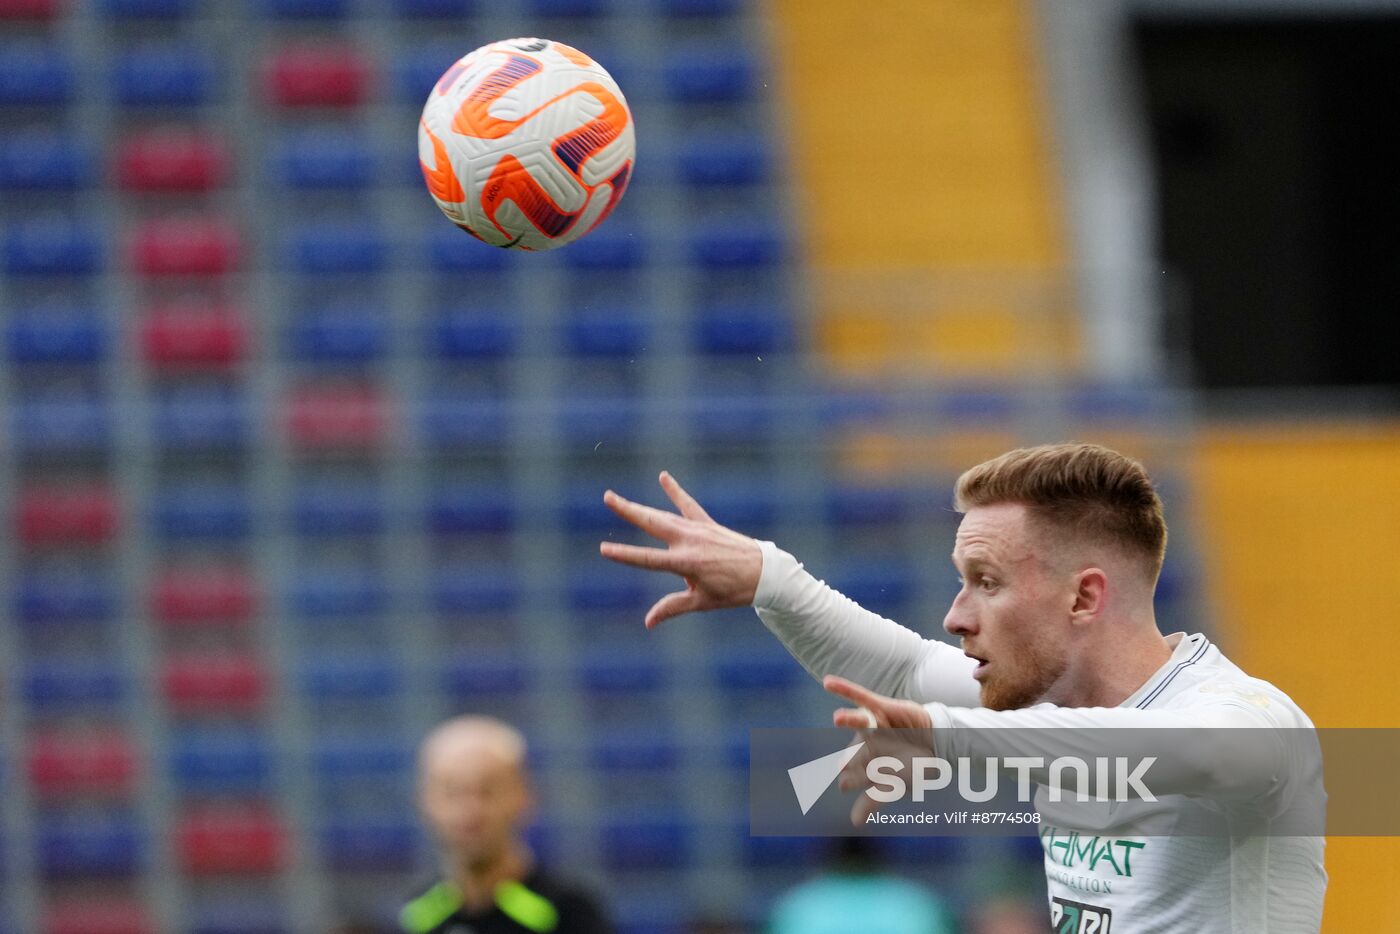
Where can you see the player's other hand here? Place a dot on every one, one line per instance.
(720, 566)
(888, 727)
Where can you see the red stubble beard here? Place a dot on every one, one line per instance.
(1020, 677)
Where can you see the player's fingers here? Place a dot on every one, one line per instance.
(854, 719)
(683, 500)
(673, 604)
(853, 692)
(663, 525)
(639, 556)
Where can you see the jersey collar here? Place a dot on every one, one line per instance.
(1187, 650)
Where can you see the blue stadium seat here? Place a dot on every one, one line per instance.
(848, 505)
(924, 851)
(479, 675)
(699, 7)
(1118, 402)
(584, 511)
(330, 249)
(453, 252)
(588, 420)
(306, 9)
(46, 161)
(740, 503)
(35, 74)
(719, 74)
(350, 677)
(763, 852)
(730, 419)
(67, 684)
(201, 418)
(755, 328)
(471, 334)
(50, 335)
(206, 511)
(746, 669)
(886, 587)
(434, 8)
(85, 844)
(239, 916)
(336, 593)
(417, 71)
(605, 587)
(339, 334)
(324, 159)
(453, 418)
(370, 842)
(735, 245)
(612, 332)
(655, 751)
(474, 589)
(164, 75)
(613, 246)
(221, 761)
(573, 8)
(329, 508)
(471, 508)
(69, 596)
(49, 247)
(148, 9)
(612, 671)
(660, 841)
(724, 159)
(60, 421)
(336, 759)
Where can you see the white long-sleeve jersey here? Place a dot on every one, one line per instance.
(1101, 877)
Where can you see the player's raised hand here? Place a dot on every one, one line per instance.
(888, 727)
(720, 566)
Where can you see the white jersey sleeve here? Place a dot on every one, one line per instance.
(830, 634)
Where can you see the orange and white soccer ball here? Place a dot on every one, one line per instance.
(526, 143)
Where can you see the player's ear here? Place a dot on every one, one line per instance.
(1090, 593)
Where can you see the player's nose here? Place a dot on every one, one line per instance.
(958, 621)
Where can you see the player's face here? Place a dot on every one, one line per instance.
(1010, 612)
(473, 800)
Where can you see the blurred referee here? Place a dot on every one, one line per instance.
(475, 796)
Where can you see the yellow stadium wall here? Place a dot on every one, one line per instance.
(1300, 535)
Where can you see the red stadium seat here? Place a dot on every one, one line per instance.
(70, 764)
(28, 9)
(108, 916)
(213, 681)
(216, 840)
(195, 597)
(337, 417)
(185, 247)
(317, 76)
(171, 160)
(49, 515)
(194, 334)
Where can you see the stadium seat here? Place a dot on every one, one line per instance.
(201, 418)
(449, 419)
(568, 8)
(337, 759)
(976, 406)
(416, 72)
(52, 247)
(473, 589)
(220, 761)
(87, 845)
(755, 329)
(228, 915)
(201, 511)
(35, 74)
(613, 332)
(848, 505)
(185, 246)
(584, 511)
(741, 503)
(330, 594)
(734, 245)
(306, 9)
(96, 914)
(452, 252)
(434, 8)
(930, 850)
(656, 751)
(45, 160)
(201, 596)
(320, 158)
(723, 159)
(64, 765)
(221, 840)
(337, 249)
(28, 9)
(66, 596)
(591, 419)
(712, 74)
(661, 841)
(193, 335)
(886, 587)
(57, 335)
(606, 587)
(49, 515)
(63, 686)
(339, 334)
(148, 9)
(336, 417)
(171, 160)
(766, 852)
(370, 843)
(699, 7)
(339, 508)
(324, 75)
(746, 669)
(342, 676)
(614, 246)
(730, 419)
(471, 508)
(468, 334)
(611, 672)
(213, 681)
(479, 675)
(171, 75)
(55, 421)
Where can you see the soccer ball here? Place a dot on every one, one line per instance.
(526, 144)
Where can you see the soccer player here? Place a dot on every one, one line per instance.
(1059, 551)
(474, 793)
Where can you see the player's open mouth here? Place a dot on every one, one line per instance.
(982, 664)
